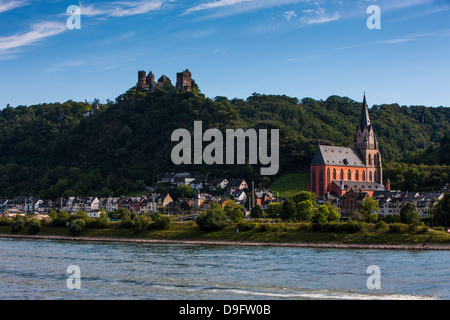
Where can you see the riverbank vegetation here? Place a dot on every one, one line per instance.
(255, 230)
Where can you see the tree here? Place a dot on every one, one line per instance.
(368, 208)
(256, 212)
(212, 219)
(274, 210)
(233, 211)
(441, 212)
(162, 221)
(304, 196)
(409, 214)
(305, 210)
(333, 213)
(320, 215)
(289, 210)
(17, 224)
(34, 227)
(76, 227)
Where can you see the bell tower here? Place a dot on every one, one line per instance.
(367, 144)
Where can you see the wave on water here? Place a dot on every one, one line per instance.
(325, 295)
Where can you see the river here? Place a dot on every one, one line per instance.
(37, 269)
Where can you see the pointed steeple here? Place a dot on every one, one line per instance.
(365, 120)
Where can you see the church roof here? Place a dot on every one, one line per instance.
(360, 185)
(337, 156)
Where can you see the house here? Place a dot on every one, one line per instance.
(217, 184)
(239, 196)
(155, 201)
(262, 196)
(91, 204)
(236, 184)
(351, 201)
(183, 178)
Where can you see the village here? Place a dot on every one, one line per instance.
(221, 192)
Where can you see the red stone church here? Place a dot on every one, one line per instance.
(336, 170)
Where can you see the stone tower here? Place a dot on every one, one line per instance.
(184, 80)
(367, 144)
(142, 80)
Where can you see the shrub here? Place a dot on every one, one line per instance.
(60, 219)
(332, 227)
(353, 227)
(246, 225)
(76, 227)
(396, 227)
(5, 221)
(304, 226)
(162, 222)
(17, 224)
(34, 227)
(213, 219)
(381, 225)
(263, 227)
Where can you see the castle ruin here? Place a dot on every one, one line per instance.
(148, 83)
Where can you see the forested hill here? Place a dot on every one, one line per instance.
(74, 148)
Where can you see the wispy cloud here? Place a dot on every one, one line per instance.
(317, 16)
(289, 15)
(215, 4)
(9, 5)
(38, 32)
(231, 7)
(123, 8)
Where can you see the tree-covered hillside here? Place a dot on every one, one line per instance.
(75, 148)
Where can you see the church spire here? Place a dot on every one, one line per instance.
(365, 120)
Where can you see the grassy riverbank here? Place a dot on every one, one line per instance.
(262, 233)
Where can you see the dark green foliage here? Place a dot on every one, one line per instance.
(441, 212)
(256, 212)
(289, 210)
(112, 152)
(213, 219)
(17, 224)
(409, 214)
(162, 221)
(34, 227)
(246, 225)
(76, 227)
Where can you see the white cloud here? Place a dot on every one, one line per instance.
(215, 4)
(239, 6)
(320, 19)
(38, 32)
(289, 15)
(6, 6)
(123, 8)
(317, 16)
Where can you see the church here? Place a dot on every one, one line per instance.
(336, 170)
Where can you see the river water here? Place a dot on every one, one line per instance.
(37, 269)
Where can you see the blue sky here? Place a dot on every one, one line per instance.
(233, 48)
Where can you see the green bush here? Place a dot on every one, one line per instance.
(246, 225)
(5, 221)
(272, 227)
(380, 225)
(34, 227)
(76, 227)
(396, 227)
(303, 226)
(213, 219)
(332, 227)
(353, 227)
(17, 224)
(162, 222)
